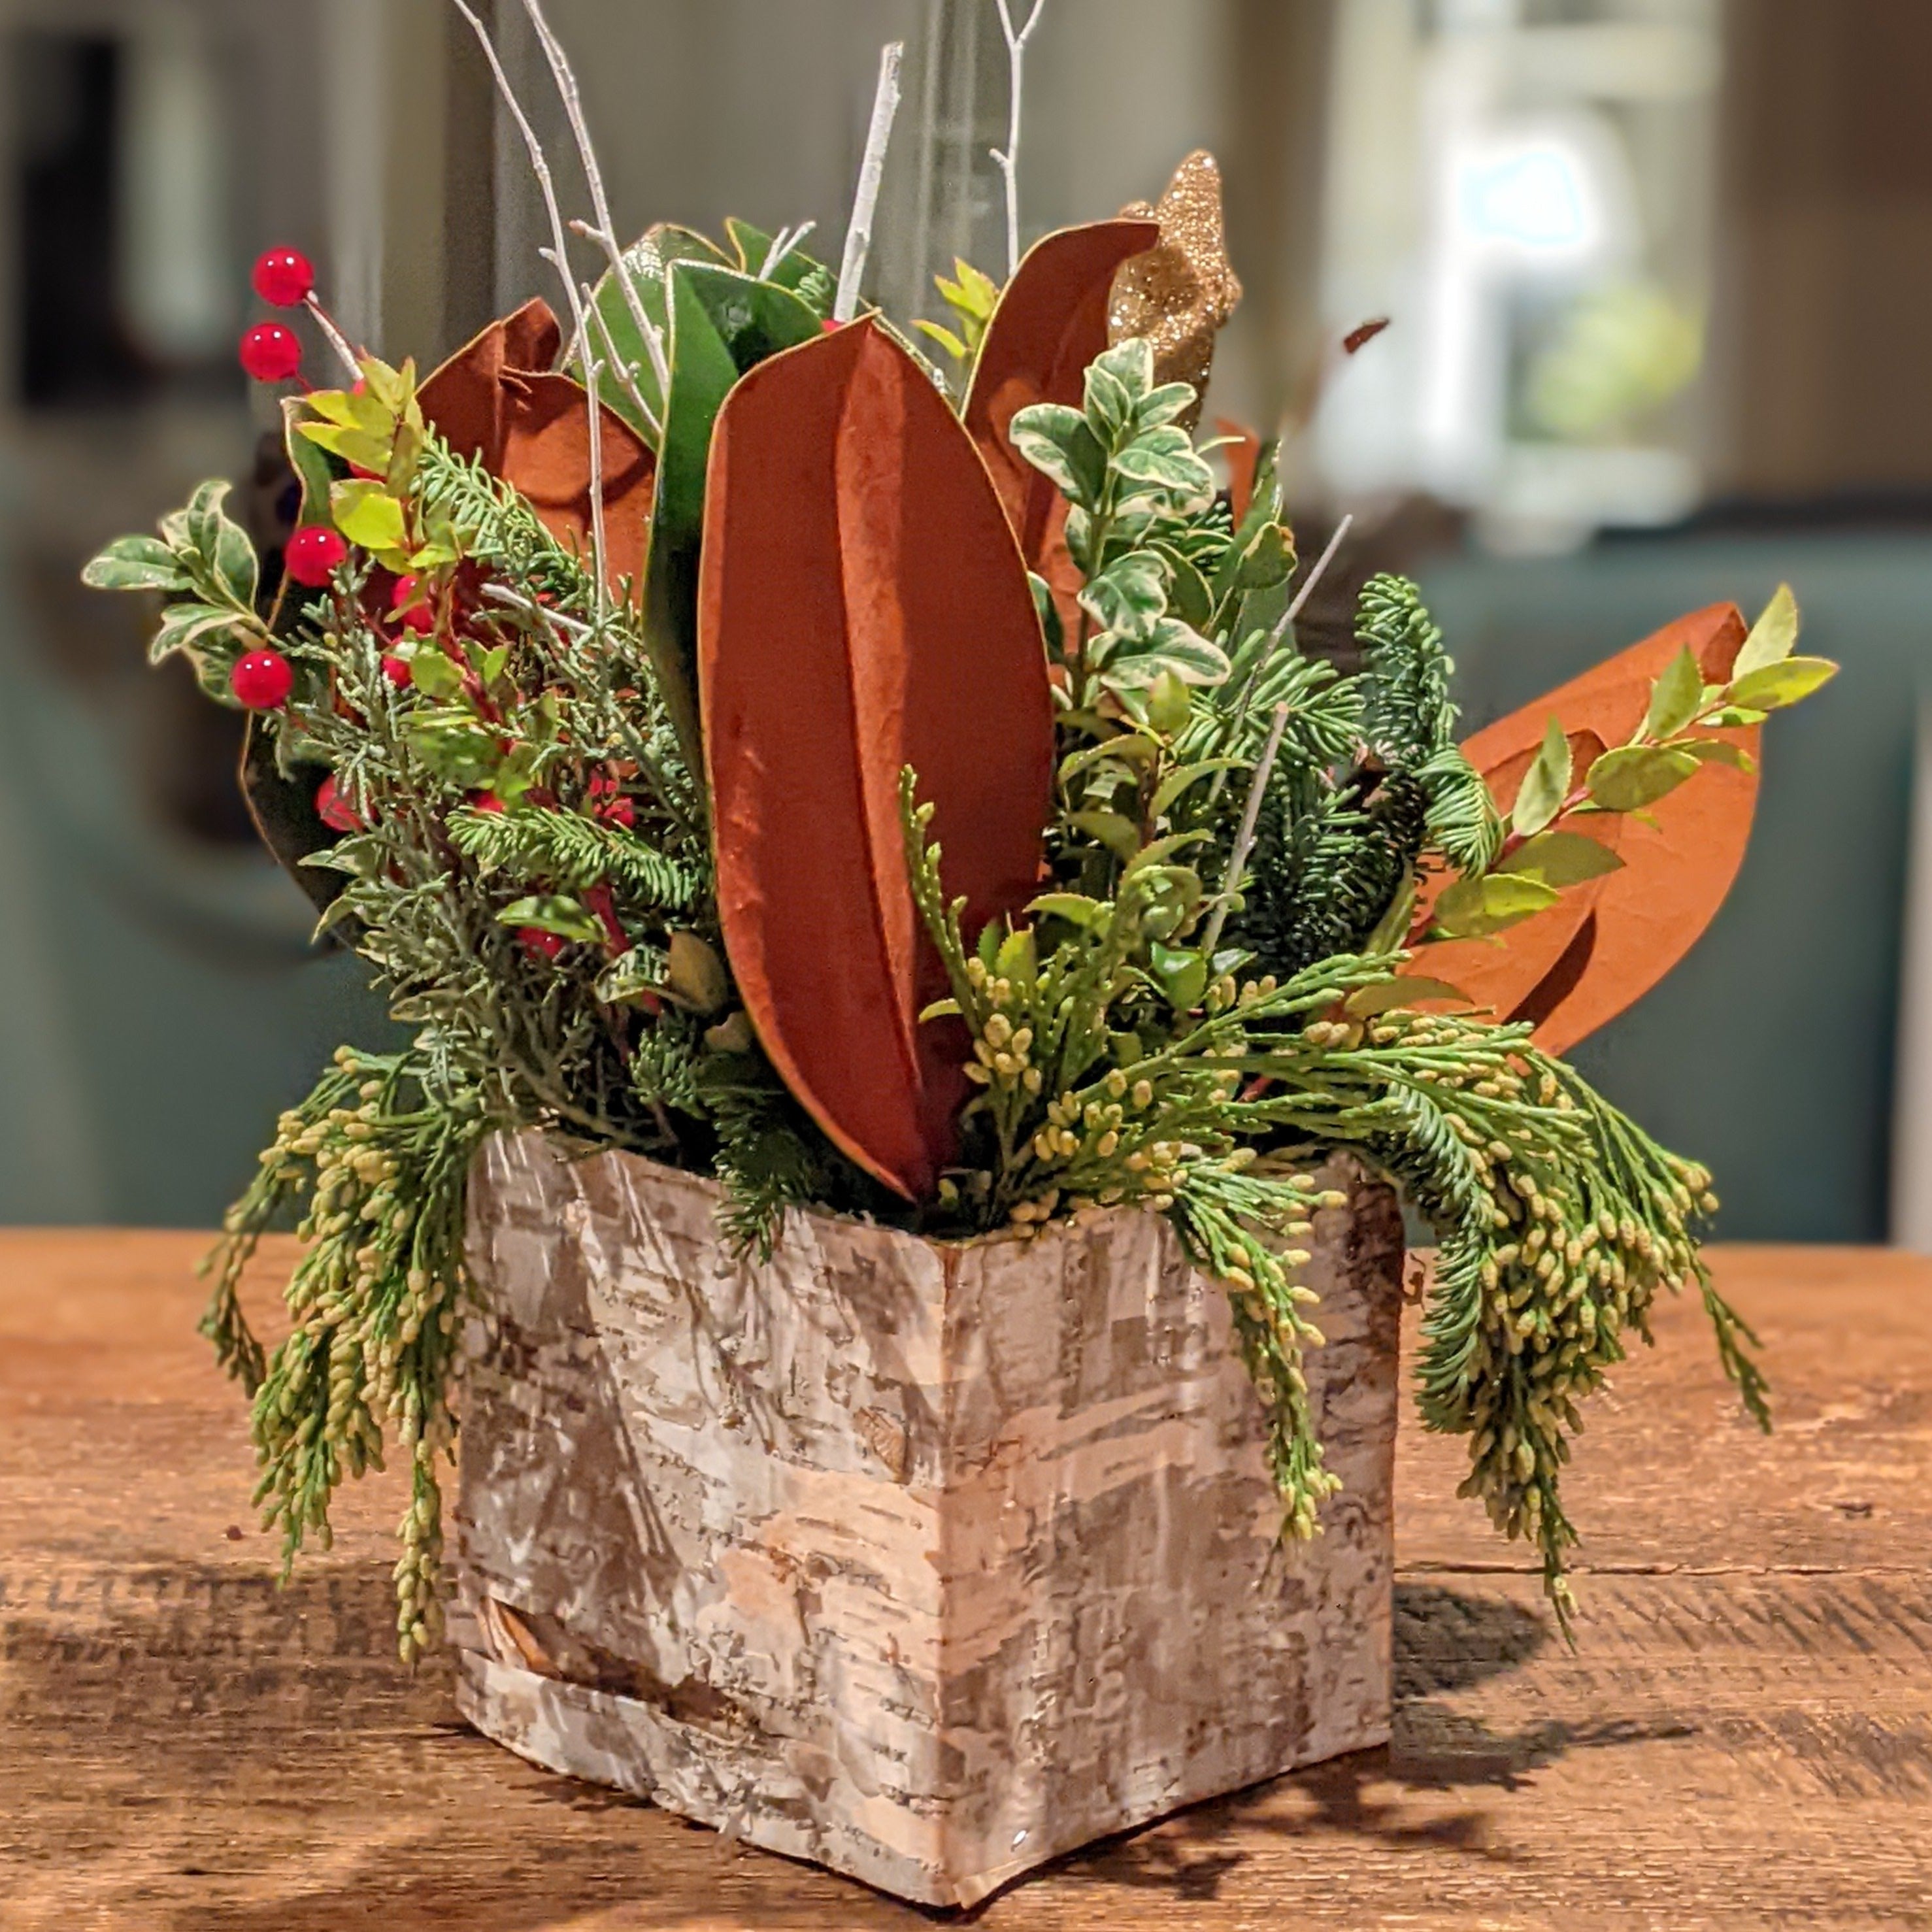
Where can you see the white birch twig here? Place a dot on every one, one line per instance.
(559, 253)
(1244, 840)
(604, 234)
(1305, 590)
(865, 202)
(1010, 160)
(334, 338)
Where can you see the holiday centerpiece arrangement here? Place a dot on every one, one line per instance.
(919, 988)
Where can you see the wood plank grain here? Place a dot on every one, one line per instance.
(1742, 1738)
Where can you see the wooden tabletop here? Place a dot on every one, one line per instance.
(1743, 1737)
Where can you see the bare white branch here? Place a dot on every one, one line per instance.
(865, 202)
(783, 243)
(334, 338)
(1244, 840)
(1009, 160)
(625, 371)
(558, 254)
(604, 234)
(1275, 639)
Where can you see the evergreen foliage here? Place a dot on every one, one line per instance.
(1202, 1000)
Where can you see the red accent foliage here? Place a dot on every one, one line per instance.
(498, 399)
(1243, 458)
(271, 352)
(263, 680)
(1676, 870)
(411, 603)
(313, 555)
(539, 944)
(609, 805)
(283, 277)
(862, 607)
(1051, 323)
(334, 810)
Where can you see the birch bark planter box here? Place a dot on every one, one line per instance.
(926, 1562)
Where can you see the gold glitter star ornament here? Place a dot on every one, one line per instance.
(1179, 294)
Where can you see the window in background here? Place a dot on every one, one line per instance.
(1526, 187)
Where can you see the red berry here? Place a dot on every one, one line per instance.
(539, 944)
(609, 805)
(334, 810)
(263, 680)
(397, 671)
(283, 277)
(412, 604)
(271, 353)
(484, 801)
(314, 555)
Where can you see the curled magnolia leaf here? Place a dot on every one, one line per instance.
(1680, 855)
(1050, 326)
(862, 609)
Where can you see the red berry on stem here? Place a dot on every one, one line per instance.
(271, 352)
(314, 556)
(263, 680)
(397, 671)
(411, 603)
(334, 810)
(539, 944)
(284, 277)
(484, 801)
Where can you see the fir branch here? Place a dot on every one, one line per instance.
(537, 844)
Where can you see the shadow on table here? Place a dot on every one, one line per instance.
(241, 1758)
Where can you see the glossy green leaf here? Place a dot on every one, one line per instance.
(1074, 908)
(135, 563)
(754, 246)
(1178, 782)
(1057, 440)
(1545, 785)
(1390, 996)
(432, 673)
(1636, 775)
(1776, 686)
(1119, 835)
(1172, 646)
(722, 323)
(1773, 637)
(648, 261)
(1472, 908)
(1560, 859)
(555, 913)
(1720, 751)
(1183, 975)
(368, 515)
(1128, 598)
(1676, 696)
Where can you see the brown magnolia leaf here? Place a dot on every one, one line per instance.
(1680, 857)
(862, 606)
(1180, 294)
(497, 400)
(1497, 973)
(1050, 325)
(1243, 456)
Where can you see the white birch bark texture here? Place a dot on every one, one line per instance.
(926, 1562)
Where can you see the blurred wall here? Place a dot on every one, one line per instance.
(1826, 310)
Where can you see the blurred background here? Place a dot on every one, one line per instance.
(1660, 278)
